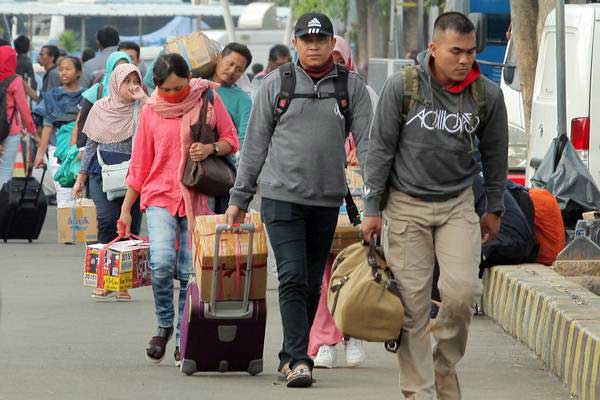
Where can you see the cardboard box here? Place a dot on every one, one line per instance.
(355, 181)
(232, 246)
(230, 285)
(233, 252)
(198, 50)
(77, 222)
(126, 266)
(345, 234)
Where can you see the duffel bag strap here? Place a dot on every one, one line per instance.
(388, 282)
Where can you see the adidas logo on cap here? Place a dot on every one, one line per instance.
(314, 23)
(314, 26)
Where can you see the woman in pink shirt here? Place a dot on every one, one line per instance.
(17, 112)
(162, 144)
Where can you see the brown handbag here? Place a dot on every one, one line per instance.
(215, 175)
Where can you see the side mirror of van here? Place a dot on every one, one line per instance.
(508, 73)
(480, 22)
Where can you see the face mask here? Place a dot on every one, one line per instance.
(175, 97)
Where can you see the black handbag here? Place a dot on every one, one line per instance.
(215, 175)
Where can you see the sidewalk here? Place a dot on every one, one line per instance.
(56, 343)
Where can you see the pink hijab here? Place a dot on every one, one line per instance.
(111, 119)
(188, 110)
(342, 47)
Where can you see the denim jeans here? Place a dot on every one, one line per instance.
(301, 237)
(7, 160)
(108, 211)
(164, 230)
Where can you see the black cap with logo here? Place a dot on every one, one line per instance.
(313, 24)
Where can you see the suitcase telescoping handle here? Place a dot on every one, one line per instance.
(222, 228)
(26, 148)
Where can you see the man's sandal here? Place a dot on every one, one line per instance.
(284, 371)
(300, 377)
(157, 346)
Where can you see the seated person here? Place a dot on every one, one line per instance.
(514, 244)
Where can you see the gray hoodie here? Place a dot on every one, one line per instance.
(432, 155)
(302, 160)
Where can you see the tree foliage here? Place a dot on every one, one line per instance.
(69, 40)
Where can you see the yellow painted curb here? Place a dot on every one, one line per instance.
(554, 317)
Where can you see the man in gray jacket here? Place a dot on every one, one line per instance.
(426, 159)
(298, 166)
(107, 39)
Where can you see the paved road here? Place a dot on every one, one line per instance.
(56, 343)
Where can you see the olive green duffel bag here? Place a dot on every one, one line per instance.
(363, 297)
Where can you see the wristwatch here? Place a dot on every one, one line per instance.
(215, 148)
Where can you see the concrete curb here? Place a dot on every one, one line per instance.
(554, 317)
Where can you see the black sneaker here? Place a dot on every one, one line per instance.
(177, 357)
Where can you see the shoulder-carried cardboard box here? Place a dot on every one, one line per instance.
(233, 251)
(198, 50)
(126, 266)
(77, 222)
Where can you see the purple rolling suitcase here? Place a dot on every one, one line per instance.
(222, 336)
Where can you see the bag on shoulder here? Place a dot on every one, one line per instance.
(113, 175)
(5, 120)
(363, 296)
(213, 176)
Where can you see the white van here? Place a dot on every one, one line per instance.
(511, 89)
(582, 40)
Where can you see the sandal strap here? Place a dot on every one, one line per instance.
(165, 333)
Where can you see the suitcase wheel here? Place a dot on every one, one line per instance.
(30, 240)
(188, 367)
(255, 367)
(223, 366)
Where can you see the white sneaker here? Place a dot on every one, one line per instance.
(355, 352)
(325, 357)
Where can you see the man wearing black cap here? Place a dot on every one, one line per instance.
(294, 152)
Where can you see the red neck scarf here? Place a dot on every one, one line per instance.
(320, 72)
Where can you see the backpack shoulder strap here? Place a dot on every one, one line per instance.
(340, 84)
(100, 91)
(478, 94)
(7, 81)
(410, 96)
(287, 74)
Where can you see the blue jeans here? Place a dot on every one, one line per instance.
(7, 160)
(108, 211)
(164, 230)
(301, 237)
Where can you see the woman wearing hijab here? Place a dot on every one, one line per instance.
(97, 92)
(162, 144)
(110, 128)
(58, 107)
(17, 111)
(324, 335)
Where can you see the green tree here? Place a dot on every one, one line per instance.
(69, 40)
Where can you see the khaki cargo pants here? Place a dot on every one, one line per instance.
(414, 233)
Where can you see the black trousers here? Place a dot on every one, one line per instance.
(301, 237)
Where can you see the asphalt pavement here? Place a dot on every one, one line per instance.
(57, 343)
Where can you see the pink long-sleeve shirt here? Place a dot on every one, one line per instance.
(154, 166)
(16, 99)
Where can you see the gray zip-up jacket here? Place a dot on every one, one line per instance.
(302, 160)
(433, 154)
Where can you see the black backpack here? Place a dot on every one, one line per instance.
(287, 72)
(5, 121)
